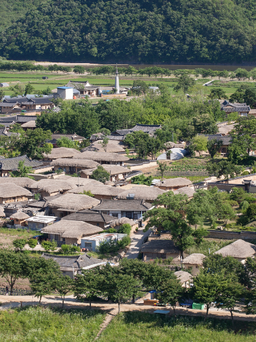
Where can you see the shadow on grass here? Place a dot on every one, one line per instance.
(217, 324)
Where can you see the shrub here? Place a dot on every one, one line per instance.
(32, 243)
(111, 230)
(125, 229)
(124, 242)
(68, 249)
(49, 245)
(19, 243)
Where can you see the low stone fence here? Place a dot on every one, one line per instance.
(226, 235)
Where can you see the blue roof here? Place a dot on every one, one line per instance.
(64, 88)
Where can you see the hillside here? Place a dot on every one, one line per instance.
(211, 31)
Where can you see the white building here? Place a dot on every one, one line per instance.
(65, 93)
(40, 221)
(93, 242)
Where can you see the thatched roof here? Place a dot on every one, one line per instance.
(225, 128)
(73, 202)
(112, 147)
(104, 190)
(146, 193)
(174, 182)
(102, 156)
(12, 190)
(51, 185)
(24, 182)
(194, 259)
(78, 181)
(62, 152)
(19, 216)
(239, 249)
(183, 276)
(186, 190)
(122, 220)
(159, 246)
(73, 162)
(110, 168)
(72, 229)
(171, 144)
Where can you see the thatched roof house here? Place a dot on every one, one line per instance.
(78, 181)
(69, 231)
(116, 172)
(160, 249)
(239, 249)
(103, 157)
(99, 191)
(194, 262)
(174, 183)
(68, 203)
(24, 182)
(19, 218)
(123, 220)
(8, 165)
(93, 217)
(61, 152)
(50, 187)
(146, 193)
(189, 191)
(111, 147)
(73, 165)
(13, 193)
(71, 265)
(29, 125)
(184, 277)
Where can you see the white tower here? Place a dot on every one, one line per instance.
(117, 82)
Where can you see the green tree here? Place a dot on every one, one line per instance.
(18, 89)
(170, 292)
(63, 285)
(214, 146)
(199, 143)
(32, 243)
(49, 245)
(199, 234)
(19, 244)
(217, 93)
(79, 69)
(13, 266)
(66, 142)
(29, 89)
(23, 171)
(100, 174)
(223, 168)
(33, 143)
(184, 83)
(162, 168)
(139, 87)
(2, 94)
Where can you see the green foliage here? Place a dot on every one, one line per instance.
(66, 142)
(171, 292)
(87, 193)
(79, 69)
(69, 249)
(184, 83)
(139, 87)
(162, 168)
(213, 146)
(49, 245)
(223, 168)
(33, 143)
(19, 243)
(29, 89)
(23, 171)
(199, 143)
(32, 243)
(199, 234)
(125, 229)
(142, 179)
(63, 285)
(100, 174)
(217, 93)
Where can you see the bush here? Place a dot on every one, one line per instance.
(32, 243)
(111, 230)
(107, 247)
(68, 249)
(125, 229)
(124, 242)
(19, 243)
(49, 245)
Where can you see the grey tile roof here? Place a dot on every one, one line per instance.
(226, 140)
(89, 216)
(159, 246)
(77, 262)
(26, 118)
(123, 205)
(11, 164)
(235, 107)
(150, 129)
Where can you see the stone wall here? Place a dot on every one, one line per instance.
(228, 235)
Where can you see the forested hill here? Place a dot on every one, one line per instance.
(147, 31)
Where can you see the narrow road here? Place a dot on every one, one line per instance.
(137, 239)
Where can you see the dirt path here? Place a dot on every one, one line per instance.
(106, 322)
(9, 302)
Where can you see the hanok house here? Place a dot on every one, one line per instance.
(111, 147)
(150, 129)
(117, 173)
(92, 243)
(38, 222)
(184, 277)
(145, 193)
(29, 125)
(78, 181)
(241, 108)
(24, 182)
(240, 250)
(104, 157)
(93, 217)
(194, 262)
(174, 183)
(50, 187)
(226, 141)
(73, 165)
(73, 265)
(70, 203)
(70, 232)
(13, 193)
(19, 218)
(99, 191)
(161, 249)
(85, 88)
(132, 209)
(60, 152)
(8, 165)
(189, 191)
(9, 107)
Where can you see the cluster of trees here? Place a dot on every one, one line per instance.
(162, 31)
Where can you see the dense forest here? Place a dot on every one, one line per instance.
(139, 31)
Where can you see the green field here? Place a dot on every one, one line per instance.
(142, 327)
(49, 325)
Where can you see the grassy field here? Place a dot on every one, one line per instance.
(49, 325)
(208, 246)
(140, 327)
